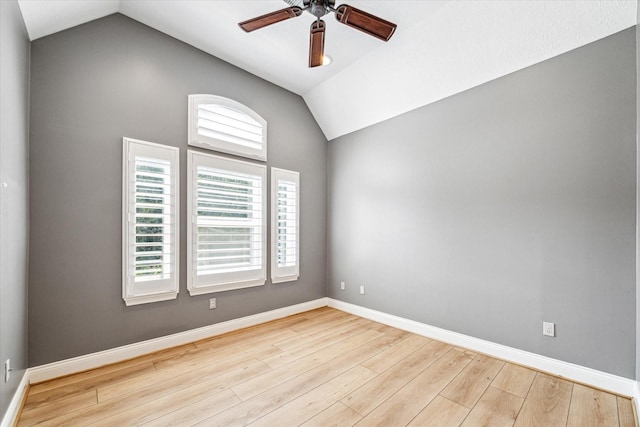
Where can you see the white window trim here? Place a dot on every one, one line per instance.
(197, 140)
(222, 281)
(151, 291)
(291, 273)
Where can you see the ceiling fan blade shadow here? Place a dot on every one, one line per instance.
(365, 22)
(270, 18)
(316, 43)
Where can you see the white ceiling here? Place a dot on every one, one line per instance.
(441, 47)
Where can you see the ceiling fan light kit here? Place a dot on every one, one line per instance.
(345, 14)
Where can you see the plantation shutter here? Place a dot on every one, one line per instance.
(221, 124)
(285, 216)
(227, 232)
(150, 222)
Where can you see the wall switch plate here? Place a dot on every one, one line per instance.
(212, 303)
(549, 329)
(7, 370)
(362, 290)
(342, 285)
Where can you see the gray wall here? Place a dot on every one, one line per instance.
(638, 200)
(14, 208)
(500, 207)
(92, 85)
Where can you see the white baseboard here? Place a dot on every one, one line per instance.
(95, 360)
(580, 374)
(636, 403)
(11, 415)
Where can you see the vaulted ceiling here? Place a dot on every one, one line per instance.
(439, 49)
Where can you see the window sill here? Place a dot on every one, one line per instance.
(282, 279)
(144, 299)
(203, 289)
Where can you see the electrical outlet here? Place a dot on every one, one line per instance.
(549, 329)
(362, 290)
(7, 370)
(212, 303)
(342, 285)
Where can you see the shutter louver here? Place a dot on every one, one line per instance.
(220, 122)
(229, 220)
(287, 227)
(153, 193)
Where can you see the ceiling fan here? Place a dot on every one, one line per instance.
(354, 18)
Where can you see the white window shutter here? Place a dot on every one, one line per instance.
(150, 222)
(285, 225)
(227, 231)
(222, 124)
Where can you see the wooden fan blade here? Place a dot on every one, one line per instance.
(316, 43)
(270, 18)
(365, 22)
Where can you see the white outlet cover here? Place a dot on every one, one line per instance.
(212, 303)
(549, 329)
(7, 370)
(342, 285)
(362, 290)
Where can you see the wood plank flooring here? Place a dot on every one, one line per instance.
(319, 368)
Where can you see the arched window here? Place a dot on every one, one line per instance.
(222, 124)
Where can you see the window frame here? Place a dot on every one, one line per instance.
(286, 273)
(148, 291)
(219, 282)
(197, 140)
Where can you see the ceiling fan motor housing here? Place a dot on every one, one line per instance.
(319, 8)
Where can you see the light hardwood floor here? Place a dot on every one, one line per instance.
(319, 368)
